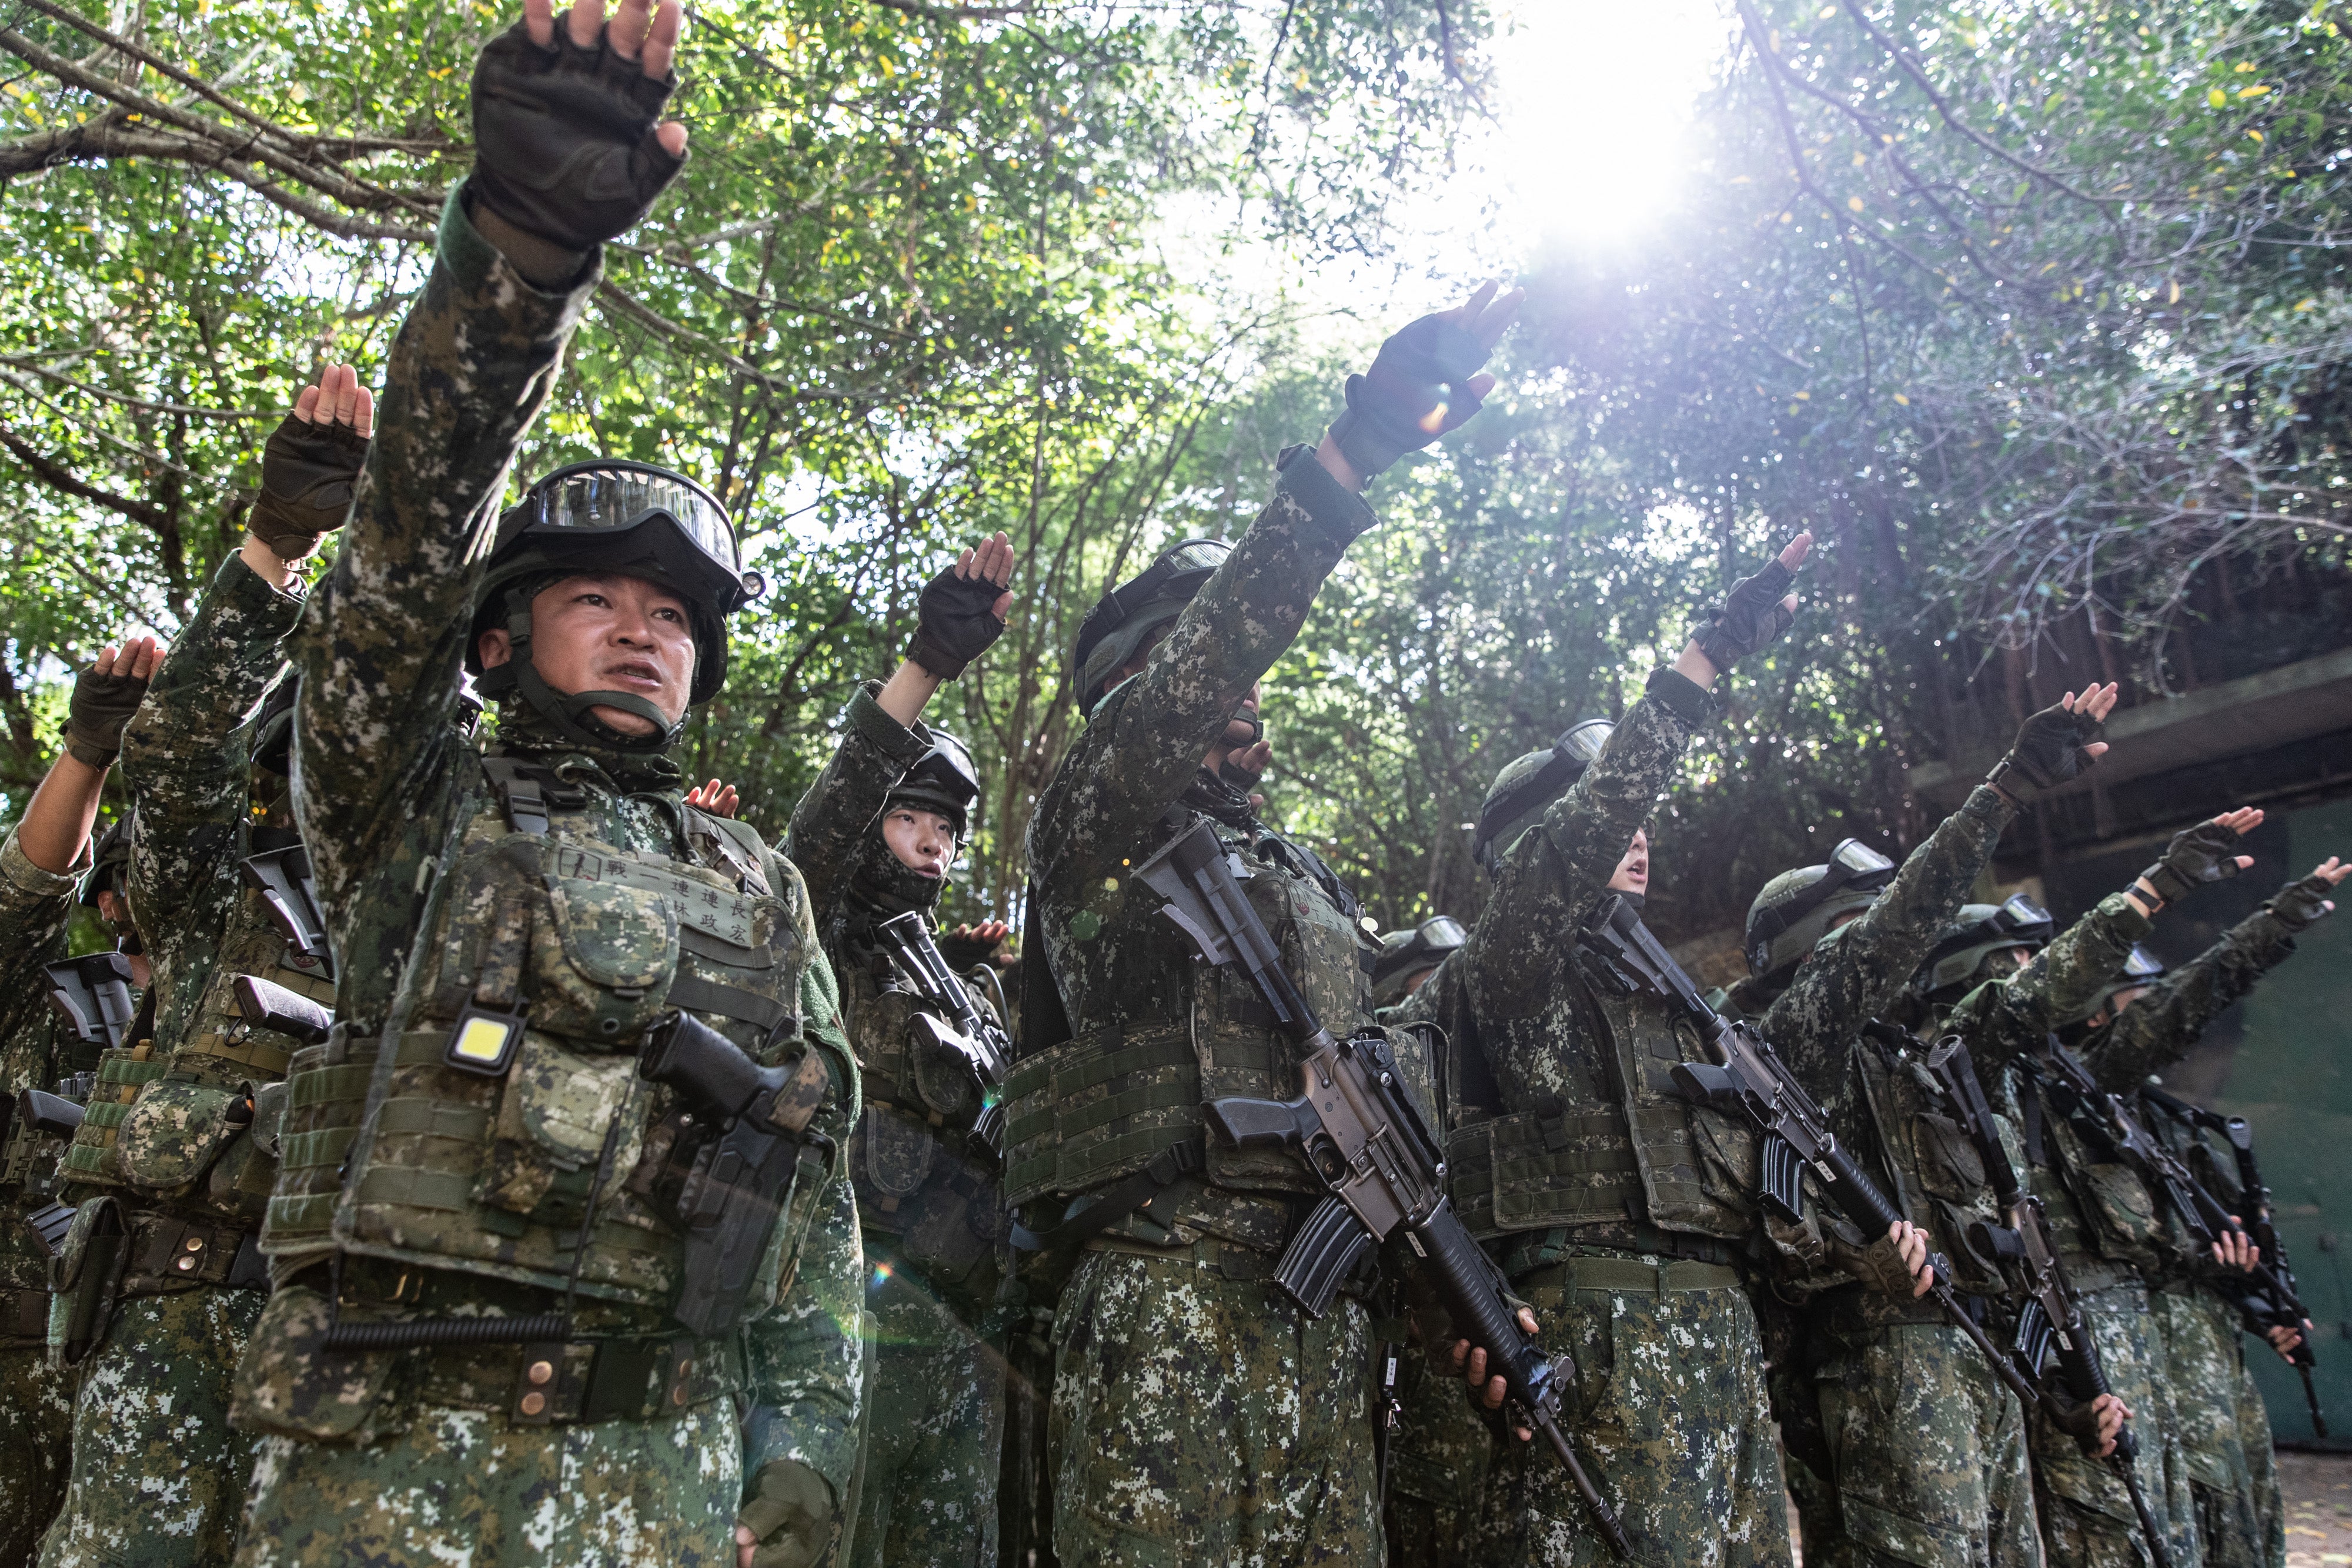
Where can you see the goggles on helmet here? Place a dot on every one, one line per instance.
(1431, 941)
(1174, 577)
(1852, 864)
(2141, 965)
(1578, 748)
(610, 497)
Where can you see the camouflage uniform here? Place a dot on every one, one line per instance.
(2086, 1517)
(1198, 1415)
(2232, 1475)
(576, 883)
(1620, 1210)
(928, 1203)
(36, 1052)
(159, 1474)
(1923, 1446)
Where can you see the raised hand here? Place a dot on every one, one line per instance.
(2299, 904)
(961, 612)
(1757, 609)
(311, 464)
(719, 800)
(2054, 744)
(105, 696)
(2204, 853)
(1425, 381)
(570, 146)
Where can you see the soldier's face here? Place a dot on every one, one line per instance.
(607, 632)
(1634, 871)
(924, 841)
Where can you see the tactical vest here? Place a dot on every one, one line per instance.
(176, 1129)
(2103, 1218)
(1651, 1158)
(927, 1190)
(1102, 1105)
(1938, 1176)
(562, 902)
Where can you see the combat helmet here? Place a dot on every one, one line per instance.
(1979, 931)
(1404, 954)
(943, 780)
(1528, 784)
(109, 863)
(1119, 622)
(1796, 909)
(617, 516)
(2141, 968)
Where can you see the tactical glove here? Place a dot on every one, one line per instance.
(97, 713)
(1417, 390)
(307, 470)
(955, 621)
(563, 137)
(1879, 1266)
(2298, 903)
(2078, 1418)
(2204, 853)
(2047, 752)
(790, 1511)
(1747, 618)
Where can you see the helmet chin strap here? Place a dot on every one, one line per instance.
(568, 713)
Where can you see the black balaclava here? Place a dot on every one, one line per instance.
(882, 885)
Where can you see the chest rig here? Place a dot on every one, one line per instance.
(2102, 1220)
(1156, 1034)
(1641, 1156)
(1938, 1176)
(573, 917)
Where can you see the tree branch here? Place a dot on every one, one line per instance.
(59, 477)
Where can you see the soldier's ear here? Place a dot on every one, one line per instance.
(496, 647)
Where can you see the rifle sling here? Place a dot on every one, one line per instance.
(1167, 1168)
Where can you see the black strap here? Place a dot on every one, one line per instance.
(2029, 1094)
(1170, 1166)
(701, 996)
(528, 792)
(1044, 1021)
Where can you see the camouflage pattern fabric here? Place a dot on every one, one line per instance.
(1199, 1419)
(2232, 1472)
(1668, 1412)
(470, 1487)
(2086, 1517)
(158, 1474)
(934, 1428)
(387, 779)
(2161, 1026)
(1929, 1449)
(2006, 1019)
(36, 1447)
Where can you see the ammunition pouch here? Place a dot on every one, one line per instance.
(169, 1138)
(122, 1073)
(86, 1279)
(24, 1317)
(940, 1207)
(1533, 1172)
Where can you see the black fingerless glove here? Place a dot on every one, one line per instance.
(955, 621)
(2204, 853)
(789, 1513)
(563, 138)
(1417, 390)
(308, 472)
(1747, 618)
(2048, 750)
(97, 715)
(2299, 904)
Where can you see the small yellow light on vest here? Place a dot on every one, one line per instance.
(484, 1042)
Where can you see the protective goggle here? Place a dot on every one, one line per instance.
(1191, 557)
(2020, 915)
(1853, 866)
(948, 763)
(2140, 965)
(1432, 939)
(613, 496)
(1578, 748)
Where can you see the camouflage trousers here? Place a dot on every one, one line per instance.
(1437, 1464)
(2225, 1435)
(933, 1430)
(2086, 1517)
(1927, 1446)
(1202, 1420)
(469, 1487)
(158, 1473)
(36, 1447)
(1669, 1413)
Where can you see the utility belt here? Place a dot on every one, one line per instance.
(166, 1253)
(1532, 1250)
(1625, 1273)
(108, 1253)
(2089, 1274)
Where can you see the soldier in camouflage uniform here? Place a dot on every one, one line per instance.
(521, 1312)
(173, 1156)
(2140, 1024)
(1198, 1415)
(1918, 1450)
(38, 865)
(875, 836)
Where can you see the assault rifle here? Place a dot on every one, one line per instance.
(1753, 1081)
(1360, 1132)
(2052, 1318)
(964, 1032)
(2263, 1310)
(283, 876)
(268, 1005)
(93, 994)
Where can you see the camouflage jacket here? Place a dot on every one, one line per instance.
(2158, 1027)
(2006, 1019)
(388, 780)
(833, 818)
(37, 1049)
(182, 1143)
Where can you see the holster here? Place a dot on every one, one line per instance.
(86, 1279)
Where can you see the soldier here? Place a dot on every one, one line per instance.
(1198, 1413)
(38, 862)
(876, 835)
(173, 1160)
(565, 1248)
(1913, 1451)
(2142, 1021)
(1409, 957)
